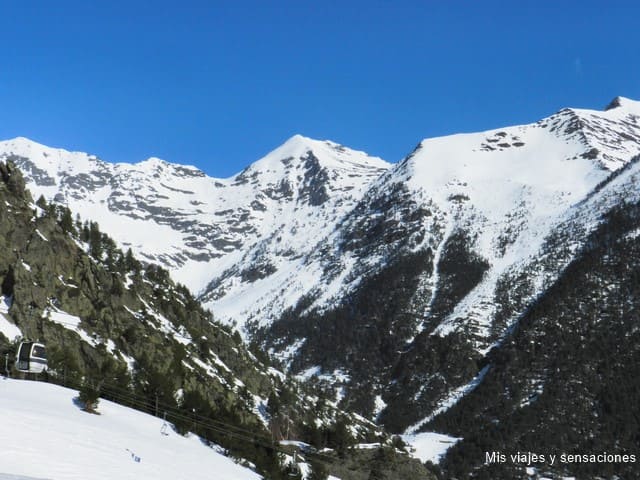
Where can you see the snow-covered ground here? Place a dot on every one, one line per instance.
(7, 328)
(430, 446)
(45, 435)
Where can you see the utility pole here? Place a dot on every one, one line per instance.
(163, 429)
(286, 417)
(6, 364)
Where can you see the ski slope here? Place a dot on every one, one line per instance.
(45, 435)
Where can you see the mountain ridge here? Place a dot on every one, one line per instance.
(222, 232)
(396, 282)
(218, 232)
(184, 205)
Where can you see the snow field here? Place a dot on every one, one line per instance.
(46, 435)
(430, 446)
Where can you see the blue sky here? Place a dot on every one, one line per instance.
(218, 84)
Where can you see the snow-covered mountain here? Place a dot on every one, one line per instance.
(444, 253)
(203, 228)
(505, 190)
(502, 192)
(322, 252)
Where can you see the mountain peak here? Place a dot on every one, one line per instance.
(300, 144)
(326, 152)
(295, 146)
(23, 146)
(624, 103)
(615, 103)
(300, 141)
(152, 163)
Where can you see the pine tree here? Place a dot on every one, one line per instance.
(85, 233)
(318, 471)
(383, 458)
(273, 405)
(95, 241)
(66, 221)
(130, 262)
(42, 203)
(89, 395)
(340, 437)
(111, 250)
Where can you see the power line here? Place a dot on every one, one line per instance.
(126, 397)
(145, 404)
(149, 404)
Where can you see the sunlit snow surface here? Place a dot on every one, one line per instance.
(191, 223)
(265, 245)
(429, 446)
(45, 435)
(7, 328)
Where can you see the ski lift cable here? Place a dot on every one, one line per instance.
(150, 404)
(142, 402)
(222, 427)
(250, 437)
(198, 419)
(127, 399)
(175, 411)
(165, 406)
(126, 395)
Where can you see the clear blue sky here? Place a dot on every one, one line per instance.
(217, 84)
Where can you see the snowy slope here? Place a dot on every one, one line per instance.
(430, 446)
(288, 226)
(45, 435)
(508, 188)
(543, 171)
(504, 189)
(7, 328)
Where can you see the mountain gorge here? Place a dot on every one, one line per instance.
(459, 290)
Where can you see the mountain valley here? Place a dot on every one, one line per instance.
(484, 281)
